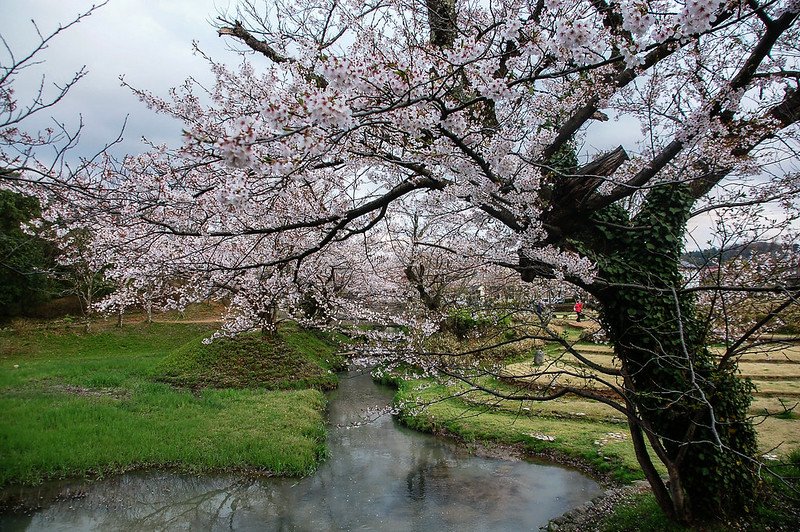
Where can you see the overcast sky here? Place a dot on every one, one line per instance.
(149, 42)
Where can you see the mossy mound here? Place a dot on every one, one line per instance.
(289, 360)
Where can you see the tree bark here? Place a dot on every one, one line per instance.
(660, 491)
(694, 410)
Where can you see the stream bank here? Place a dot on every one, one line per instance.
(379, 474)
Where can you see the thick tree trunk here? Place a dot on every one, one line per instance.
(693, 412)
(697, 412)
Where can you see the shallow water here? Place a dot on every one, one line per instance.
(380, 475)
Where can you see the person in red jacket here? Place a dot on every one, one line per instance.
(578, 309)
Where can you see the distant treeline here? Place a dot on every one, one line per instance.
(32, 282)
(715, 255)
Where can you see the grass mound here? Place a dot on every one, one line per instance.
(292, 360)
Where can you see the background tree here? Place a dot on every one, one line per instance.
(36, 164)
(83, 269)
(353, 109)
(26, 259)
(428, 262)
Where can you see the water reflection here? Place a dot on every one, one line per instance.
(379, 475)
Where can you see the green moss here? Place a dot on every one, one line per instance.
(295, 359)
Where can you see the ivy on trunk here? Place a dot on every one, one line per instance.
(691, 410)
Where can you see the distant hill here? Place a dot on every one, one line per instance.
(714, 255)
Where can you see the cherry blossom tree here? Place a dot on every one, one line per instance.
(83, 268)
(427, 260)
(745, 292)
(348, 112)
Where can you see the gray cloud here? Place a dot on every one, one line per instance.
(150, 43)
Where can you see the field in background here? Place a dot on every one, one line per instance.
(775, 373)
(586, 432)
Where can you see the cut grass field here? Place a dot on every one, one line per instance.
(601, 446)
(74, 405)
(775, 374)
(594, 436)
(580, 429)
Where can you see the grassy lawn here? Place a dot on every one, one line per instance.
(602, 446)
(582, 429)
(595, 436)
(75, 404)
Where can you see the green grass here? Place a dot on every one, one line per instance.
(285, 361)
(640, 512)
(589, 443)
(75, 405)
(321, 347)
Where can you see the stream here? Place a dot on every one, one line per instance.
(380, 475)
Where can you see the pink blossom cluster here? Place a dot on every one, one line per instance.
(311, 182)
(637, 18)
(697, 15)
(565, 264)
(326, 109)
(579, 40)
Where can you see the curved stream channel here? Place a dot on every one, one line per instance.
(380, 475)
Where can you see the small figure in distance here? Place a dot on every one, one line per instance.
(578, 308)
(543, 311)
